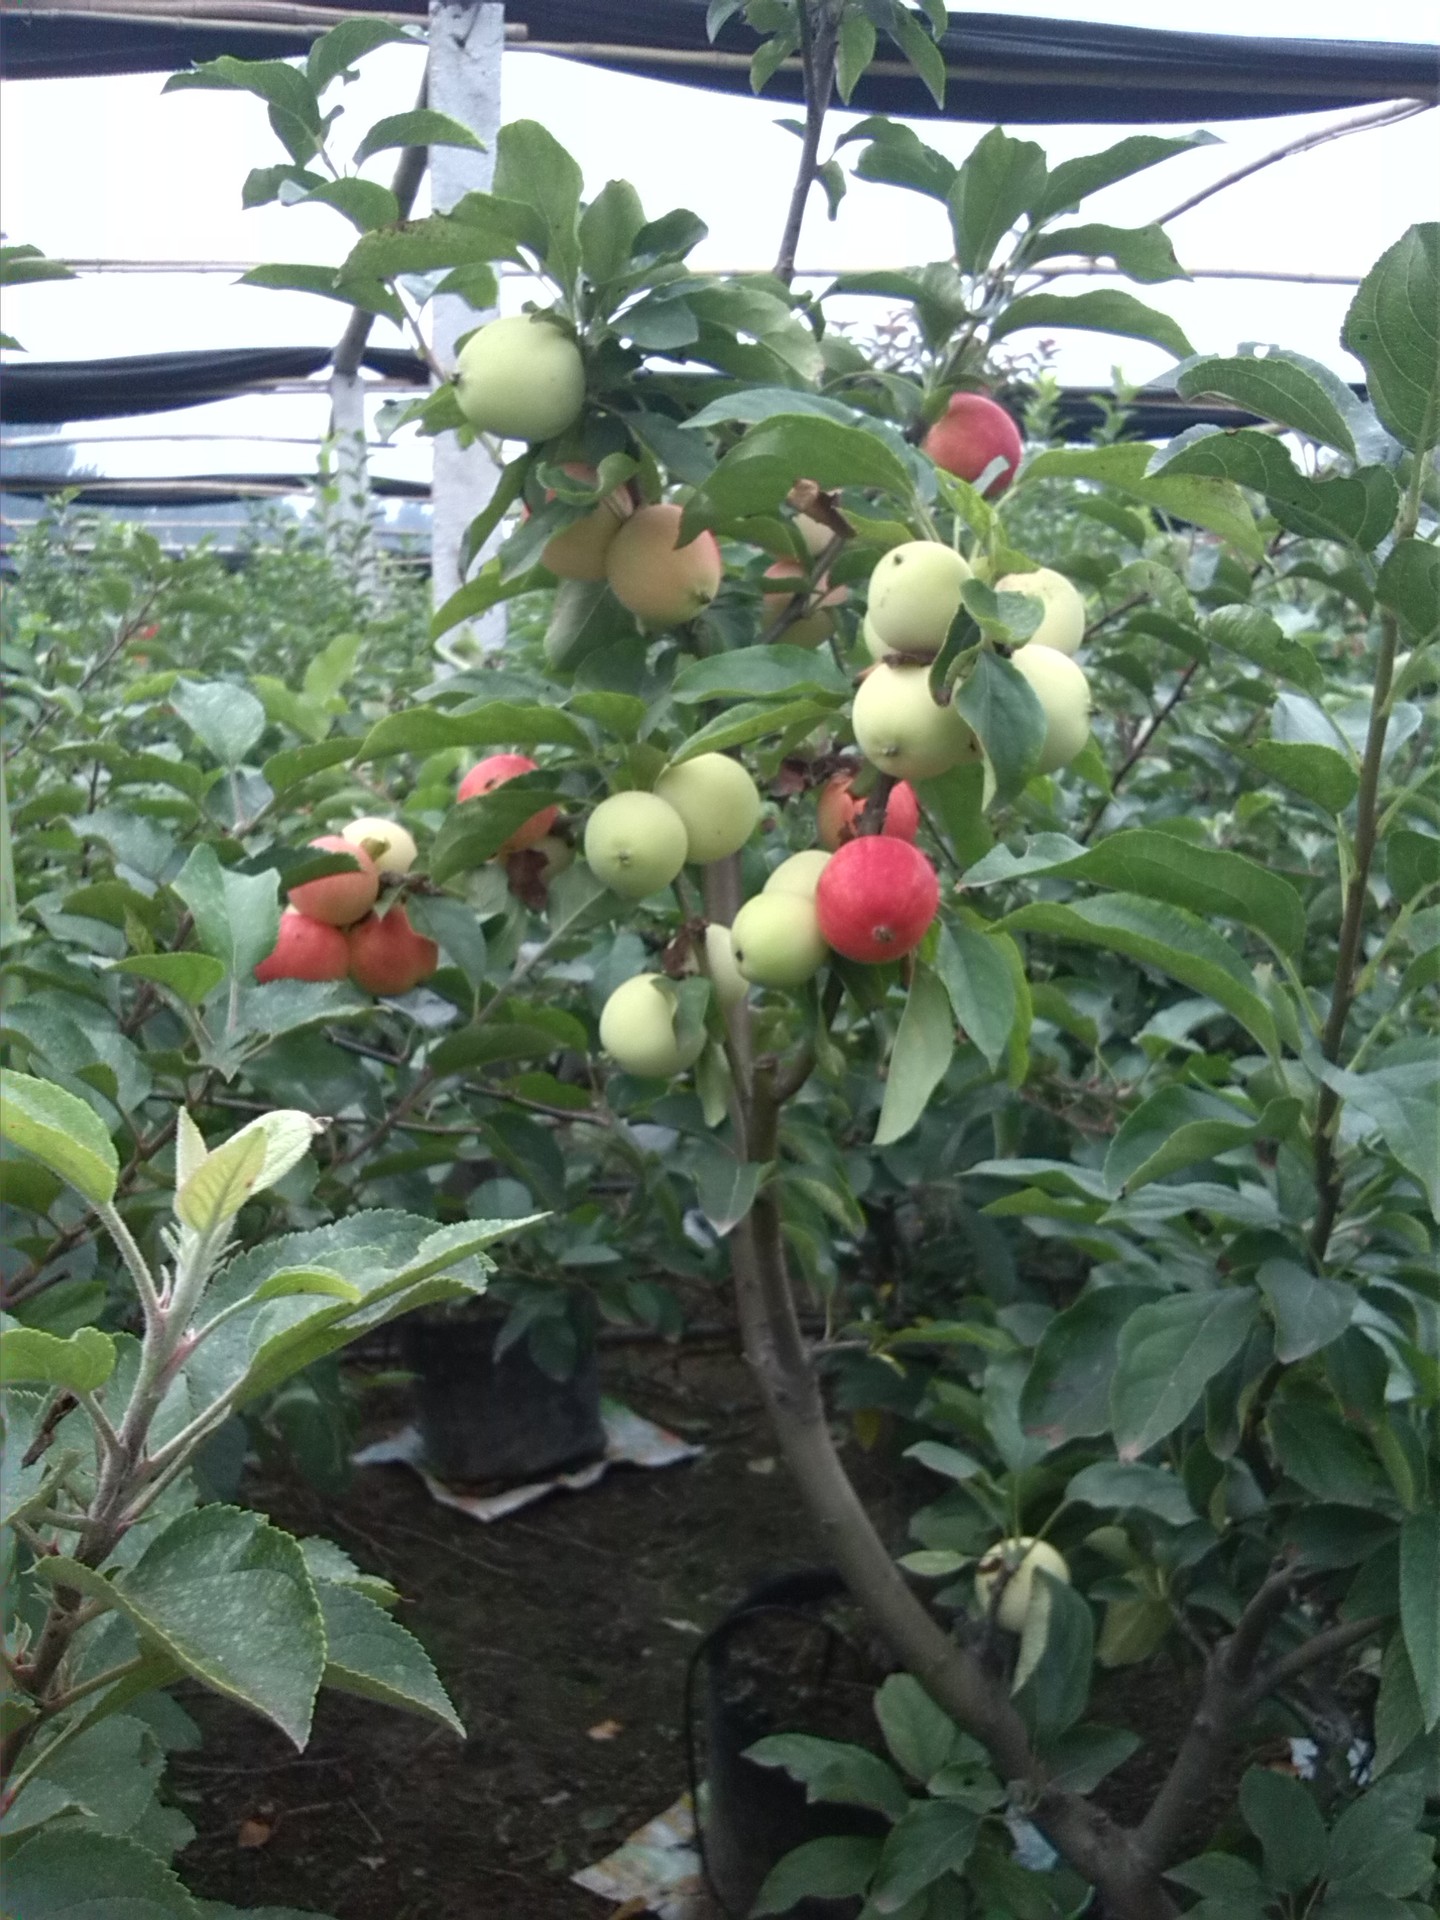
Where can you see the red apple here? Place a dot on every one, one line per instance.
(486, 775)
(876, 898)
(306, 949)
(339, 899)
(971, 433)
(387, 956)
(838, 810)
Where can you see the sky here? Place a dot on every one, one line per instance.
(169, 189)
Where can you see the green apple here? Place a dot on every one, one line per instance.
(1024, 1557)
(717, 800)
(637, 1029)
(1064, 693)
(903, 731)
(1063, 626)
(800, 873)
(521, 378)
(726, 978)
(914, 594)
(777, 940)
(387, 843)
(635, 843)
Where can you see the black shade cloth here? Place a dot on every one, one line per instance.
(206, 490)
(54, 392)
(1007, 70)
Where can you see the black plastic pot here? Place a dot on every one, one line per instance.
(498, 1419)
(755, 1815)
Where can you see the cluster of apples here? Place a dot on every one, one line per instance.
(330, 931)
(523, 378)
(914, 595)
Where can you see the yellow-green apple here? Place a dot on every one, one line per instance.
(521, 378)
(1023, 1557)
(635, 843)
(1064, 692)
(799, 874)
(387, 955)
(637, 1029)
(837, 811)
(807, 629)
(388, 844)
(578, 551)
(729, 983)
(903, 730)
(661, 583)
(718, 802)
(305, 949)
(876, 898)
(973, 431)
(777, 940)
(913, 596)
(339, 899)
(1063, 626)
(493, 772)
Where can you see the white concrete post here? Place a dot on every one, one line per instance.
(348, 519)
(466, 43)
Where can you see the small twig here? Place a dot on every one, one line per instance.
(1141, 746)
(1322, 1646)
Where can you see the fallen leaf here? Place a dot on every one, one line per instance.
(254, 1833)
(604, 1730)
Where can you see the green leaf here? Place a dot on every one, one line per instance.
(1398, 1718)
(1409, 584)
(1393, 329)
(368, 1653)
(364, 203)
(193, 976)
(1102, 310)
(1420, 1607)
(1317, 1450)
(823, 1869)
(1174, 1128)
(898, 157)
(726, 1188)
(998, 184)
(498, 723)
(756, 475)
(833, 1770)
(1002, 709)
(922, 1052)
(24, 265)
(608, 228)
(237, 915)
(1075, 180)
(61, 1131)
(1141, 253)
(227, 719)
(1412, 862)
(1283, 1816)
(1209, 881)
(227, 1597)
(973, 967)
(1403, 1104)
(1057, 1656)
(1160, 936)
(760, 673)
(921, 1736)
(83, 1362)
(1066, 1395)
(1308, 1309)
(919, 49)
(934, 1837)
(1322, 775)
(1378, 1842)
(1121, 1486)
(294, 108)
(856, 51)
(420, 127)
(532, 168)
(369, 296)
(294, 764)
(1215, 504)
(67, 1873)
(750, 720)
(475, 830)
(1167, 1353)
(1083, 1757)
(1359, 506)
(335, 52)
(1284, 387)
